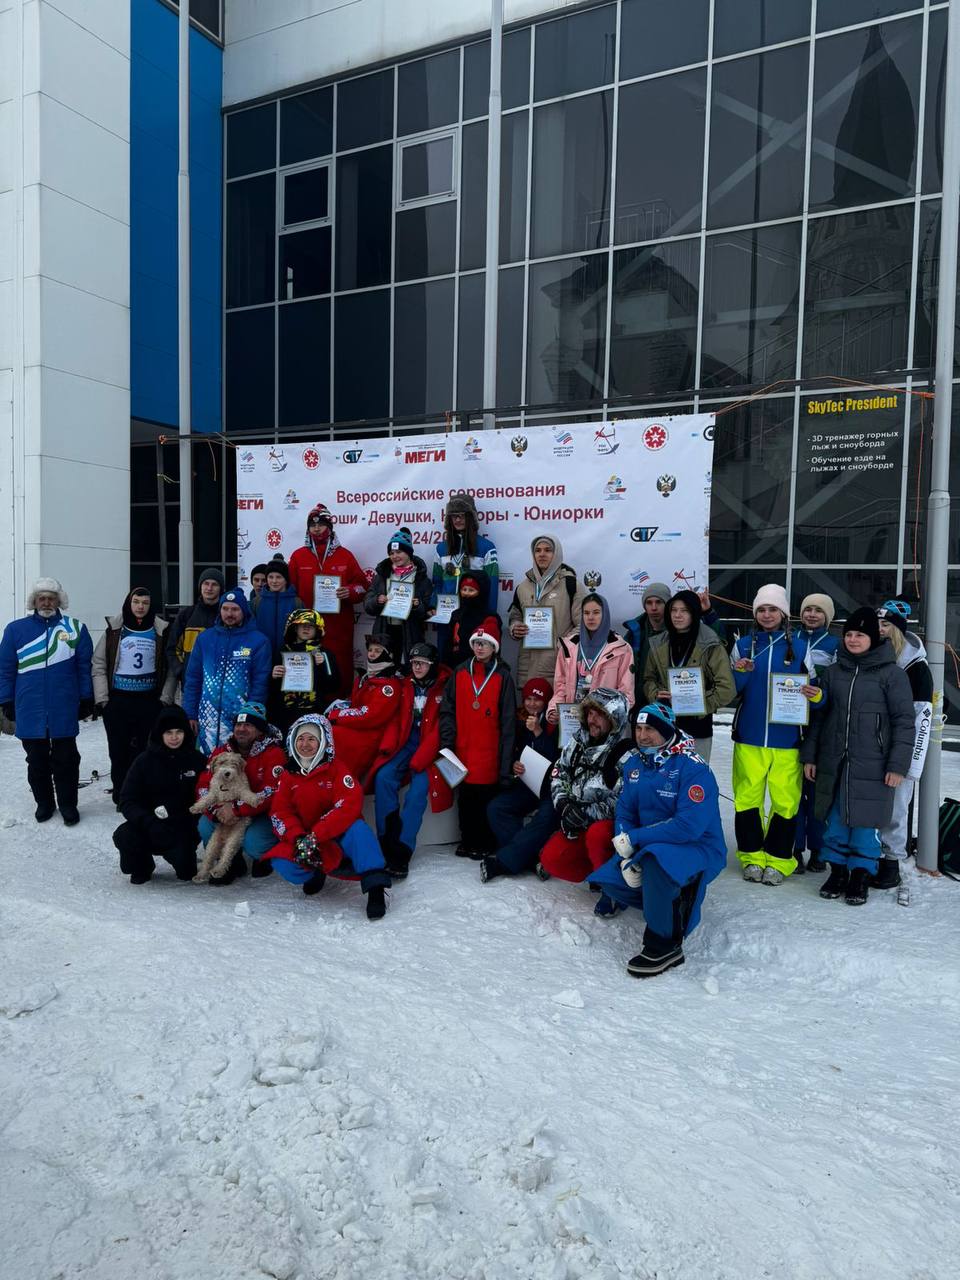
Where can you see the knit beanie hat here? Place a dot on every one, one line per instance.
(401, 540)
(474, 578)
(257, 568)
(537, 687)
(424, 650)
(865, 620)
(657, 715)
(212, 575)
(488, 630)
(816, 600)
(254, 713)
(656, 591)
(895, 611)
(279, 565)
(772, 594)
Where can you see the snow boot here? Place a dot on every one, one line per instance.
(798, 859)
(490, 868)
(463, 850)
(45, 810)
(541, 872)
(606, 908)
(772, 876)
(397, 858)
(888, 874)
(142, 877)
(70, 814)
(376, 902)
(658, 955)
(752, 873)
(260, 869)
(835, 885)
(315, 883)
(858, 887)
(816, 863)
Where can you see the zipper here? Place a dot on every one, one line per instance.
(846, 738)
(766, 725)
(879, 734)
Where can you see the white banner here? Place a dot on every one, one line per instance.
(629, 500)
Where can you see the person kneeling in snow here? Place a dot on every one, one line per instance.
(669, 839)
(317, 817)
(157, 793)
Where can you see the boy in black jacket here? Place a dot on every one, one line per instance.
(155, 801)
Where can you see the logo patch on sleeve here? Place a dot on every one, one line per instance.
(348, 781)
(696, 794)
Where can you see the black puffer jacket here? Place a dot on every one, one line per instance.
(862, 730)
(160, 776)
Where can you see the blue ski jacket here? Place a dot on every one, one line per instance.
(227, 666)
(768, 649)
(45, 669)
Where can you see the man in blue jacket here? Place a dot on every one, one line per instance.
(668, 839)
(46, 685)
(230, 664)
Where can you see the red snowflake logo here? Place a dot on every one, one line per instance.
(274, 539)
(311, 459)
(655, 437)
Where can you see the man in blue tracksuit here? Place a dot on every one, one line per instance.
(230, 664)
(668, 839)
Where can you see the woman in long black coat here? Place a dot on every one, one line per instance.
(857, 751)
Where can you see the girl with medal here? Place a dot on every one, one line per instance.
(597, 658)
(463, 549)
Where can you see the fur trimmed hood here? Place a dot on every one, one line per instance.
(47, 584)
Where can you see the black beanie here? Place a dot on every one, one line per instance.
(865, 620)
(278, 565)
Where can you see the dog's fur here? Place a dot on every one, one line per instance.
(228, 784)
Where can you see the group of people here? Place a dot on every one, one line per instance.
(581, 768)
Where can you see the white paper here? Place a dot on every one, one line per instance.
(446, 604)
(451, 767)
(297, 673)
(569, 721)
(787, 704)
(399, 600)
(325, 588)
(539, 621)
(535, 767)
(686, 691)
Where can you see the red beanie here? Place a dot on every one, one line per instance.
(537, 687)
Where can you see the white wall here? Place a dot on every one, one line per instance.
(274, 44)
(64, 301)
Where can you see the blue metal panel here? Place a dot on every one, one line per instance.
(153, 218)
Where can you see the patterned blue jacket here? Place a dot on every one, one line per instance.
(44, 672)
(227, 666)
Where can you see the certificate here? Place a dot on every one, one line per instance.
(445, 607)
(786, 703)
(535, 767)
(399, 600)
(686, 691)
(450, 767)
(325, 588)
(569, 721)
(297, 673)
(539, 623)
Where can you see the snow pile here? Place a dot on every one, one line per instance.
(230, 1084)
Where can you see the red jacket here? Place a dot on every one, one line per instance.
(371, 730)
(305, 564)
(482, 736)
(441, 796)
(326, 801)
(264, 767)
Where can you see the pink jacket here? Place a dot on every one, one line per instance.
(613, 669)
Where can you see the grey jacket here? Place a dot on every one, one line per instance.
(862, 729)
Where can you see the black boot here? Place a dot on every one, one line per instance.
(142, 877)
(858, 887)
(835, 885)
(45, 810)
(315, 883)
(658, 955)
(398, 860)
(816, 863)
(376, 902)
(888, 874)
(798, 859)
(260, 869)
(70, 815)
(490, 868)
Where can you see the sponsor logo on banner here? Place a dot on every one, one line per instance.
(352, 455)
(519, 445)
(249, 501)
(290, 500)
(615, 489)
(643, 532)
(709, 432)
(666, 485)
(277, 460)
(430, 454)
(562, 443)
(655, 436)
(684, 581)
(472, 449)
(310, 458)
(243, 540)
(592, 579)
(274, 539)
(638, 580)
(605, 440)
(248, 462)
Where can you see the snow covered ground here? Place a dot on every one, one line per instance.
(226, 1084)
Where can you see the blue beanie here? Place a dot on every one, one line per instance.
(254, 713)
(401, 540)
(657, 715)
(895, 611)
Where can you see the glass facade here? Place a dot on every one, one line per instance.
(701, 202)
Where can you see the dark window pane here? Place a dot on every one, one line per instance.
(207, 14)
(928, 280)
(849, 469)
(365, 110)
(742, 585)
(427, 169)
(304, 258)
(750, 494)
(426, 241)
(306, 126)
(305, 195)
(364, 218)
(248, 379)
(575, 53)
(758, 125)
(473, 196)
(470, 346)
(304, 380)
(423, 349)
(251, 240)
(361, 348)
(936, 89)
(918, 475)
(857, 292)
(751, 283)
(428, 93)
(513, 191)
(750, 24)
(655, 36)
(567, 330)
(660, 170)
(252, 140)
(848, 588)
(866, 91)
(514, 74)
(653, 340)
(844, 13)
(571, 175)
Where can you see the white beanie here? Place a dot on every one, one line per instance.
(816, 600)
(482, 633)
(772, 594)
(47, 584)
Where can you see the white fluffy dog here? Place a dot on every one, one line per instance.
(228, 785)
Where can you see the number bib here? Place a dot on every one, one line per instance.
(137, 655)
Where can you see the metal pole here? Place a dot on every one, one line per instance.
(493, 219)
(938, 504)
(185, 538)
